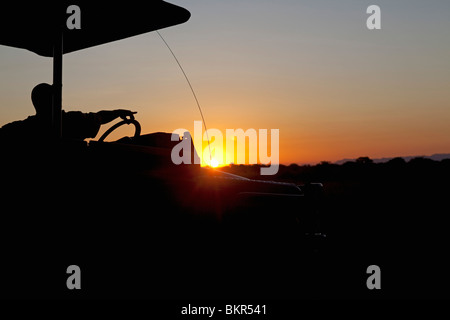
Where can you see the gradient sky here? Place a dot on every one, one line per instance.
(310, 68)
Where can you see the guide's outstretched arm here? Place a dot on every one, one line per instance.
(108, 116)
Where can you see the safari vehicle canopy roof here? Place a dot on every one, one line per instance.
(35, 25)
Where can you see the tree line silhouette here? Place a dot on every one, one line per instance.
(362, 169)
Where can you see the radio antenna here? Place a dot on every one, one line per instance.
(193, 93)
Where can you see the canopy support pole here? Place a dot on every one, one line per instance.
(57, 85)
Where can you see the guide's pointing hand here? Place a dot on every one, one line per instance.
(126, 114)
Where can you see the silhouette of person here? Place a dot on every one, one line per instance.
(75, 124)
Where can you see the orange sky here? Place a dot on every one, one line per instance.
(308, 68)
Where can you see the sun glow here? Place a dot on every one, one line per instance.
(214, 163)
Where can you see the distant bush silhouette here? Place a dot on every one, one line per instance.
(364, 160)
(396, 162)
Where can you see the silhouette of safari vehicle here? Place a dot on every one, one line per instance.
(121, 210)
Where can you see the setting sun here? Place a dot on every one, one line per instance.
(214, 163)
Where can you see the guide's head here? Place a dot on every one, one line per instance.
(42, 98)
